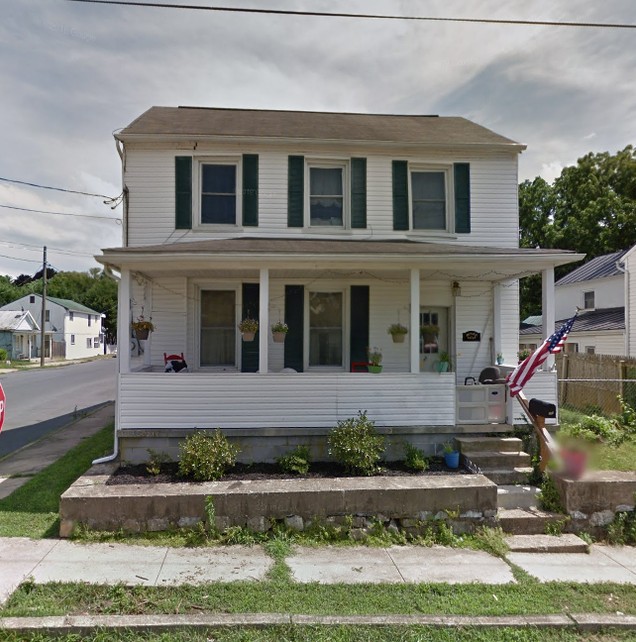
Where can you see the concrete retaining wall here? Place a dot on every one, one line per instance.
(465, 500)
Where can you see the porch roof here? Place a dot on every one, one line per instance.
(464, 260)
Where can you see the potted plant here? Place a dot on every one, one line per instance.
(523, 354)
(500, 358)
(374, 357)
(248, 328)
(142, 327)
(451, 455)
(443, 363)
(279, 330)
(397, 332)
(429, 331)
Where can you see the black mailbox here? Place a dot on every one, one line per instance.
(540, 408)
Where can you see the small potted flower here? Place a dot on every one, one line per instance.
(142, 327)
(398, 332)
(500, 358)
(279, 331)
(248, 328)
(443, 363)
(374, 357)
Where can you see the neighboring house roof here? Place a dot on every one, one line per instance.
(273, 124)
(537, 319)
(601, 320)
(17, 321)
(598, 268)
(71, 305)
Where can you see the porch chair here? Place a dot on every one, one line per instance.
(174, 362)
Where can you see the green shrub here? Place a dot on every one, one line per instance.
(549, 498)
(355, 443)
(4, 355)
(414, 458)
(295, 461)
(206, 457)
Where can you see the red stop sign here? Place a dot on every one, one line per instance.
(3, 405)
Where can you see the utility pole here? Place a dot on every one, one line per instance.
(42, 325)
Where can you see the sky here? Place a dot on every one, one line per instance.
(72, 74)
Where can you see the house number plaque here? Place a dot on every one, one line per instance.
(471, 335)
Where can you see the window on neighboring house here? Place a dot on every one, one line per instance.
(218, 193)
(218, 328)
(429, 209)
(89, 343)
(326, 195)
(326, 328)
(571, 346)
(47, 315)
(71, 315)
(96, 342)
(90, 320)
(72, 339)
(32, 299)
(588, 300)
(590, 349)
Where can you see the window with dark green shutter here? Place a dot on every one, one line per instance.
(250, 190)
(295, 191)
(294, 318)
(358, 193)
(462, 198)
(359, 330)
(250, 349)
(400, 176)
(183, 192)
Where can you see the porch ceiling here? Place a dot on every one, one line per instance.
(298, 257)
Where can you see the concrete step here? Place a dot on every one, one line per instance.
(566, 543)
(499, 460)
(529, 521)
(489, 444)
(500, 476)
(512, 496)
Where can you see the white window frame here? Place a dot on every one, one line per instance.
(345, 329)
(238, 298)
(197, 182)
(589, 307)
(449, 191)
(89, 343)
(590, 349)
(328, 163)
(72, 339)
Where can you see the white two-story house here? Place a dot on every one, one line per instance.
(338, 225)
(73, 331)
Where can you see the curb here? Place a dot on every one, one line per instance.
(87, 624)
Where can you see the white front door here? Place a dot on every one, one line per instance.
(432, 343)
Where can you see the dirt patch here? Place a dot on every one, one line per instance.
(169, 473)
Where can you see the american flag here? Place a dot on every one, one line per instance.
(520, 376)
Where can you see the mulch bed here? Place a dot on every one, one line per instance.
(169, 473)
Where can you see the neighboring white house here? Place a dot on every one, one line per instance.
(19, 332)
(598, 289)
(339, 225)
(74, 330)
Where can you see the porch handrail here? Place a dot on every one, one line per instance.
(547, 446)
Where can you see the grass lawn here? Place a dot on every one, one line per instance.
(343, 634)
(32, 509)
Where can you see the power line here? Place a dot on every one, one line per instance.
(26, 209)
(15, 258)
(57, 189)
(29, 247)
(364, 16)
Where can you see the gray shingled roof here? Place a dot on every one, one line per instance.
(591, 321)
(11, 319)
(247, 245)
(598, 268)
(304, 125)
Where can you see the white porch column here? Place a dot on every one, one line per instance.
(123, 322)
(548, 309)
(263, 321)
(414, 331)
(497, 342)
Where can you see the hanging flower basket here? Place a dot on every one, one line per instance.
(398, 332)
(142, 327)
(279, 332)
(248, 336)
(279, 337)
(248, 328)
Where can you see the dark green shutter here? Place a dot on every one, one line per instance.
(294, 318)
(250, 190)
(358, 192)
(295, 191)
(462, 198)
(359, 337)
(183, 192)
(400, 195)
(250, 349)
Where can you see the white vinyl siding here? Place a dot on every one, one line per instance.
(151, 181)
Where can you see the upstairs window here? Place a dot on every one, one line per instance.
(326, 196)
(428, 200)
(218, 193)
(71, 315)
(588, 300)
(47, 315)
(90, 319)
